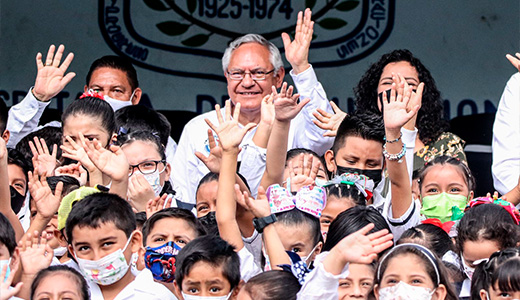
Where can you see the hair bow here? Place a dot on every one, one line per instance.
(510, 208)
(309, 199)
(361, 182)
(92, 93)
(297, 267)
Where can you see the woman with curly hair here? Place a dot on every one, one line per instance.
(432, 138)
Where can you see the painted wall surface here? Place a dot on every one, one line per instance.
(176, 45)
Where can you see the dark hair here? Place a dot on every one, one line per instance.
(15, 157)
(140, 118)
(98, 209)
(212, 250)
(140, 218)
(52, 136)
(345, 191)
(66, 270)
(94, 108)
(118, 63)
(143, 136)
(296, 217)
(352, 220)
(273, 285)
(430, 236)
(171, 212)
(69, 183)
(427, 262)
(448, 160)
(487, 222)
(7, 235)
(365, 125)
(430, 119)
(297, 151)
(209, 177)
(4, 115)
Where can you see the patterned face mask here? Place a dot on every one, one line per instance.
(404, 291)
(161, 261)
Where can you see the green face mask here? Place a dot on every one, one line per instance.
(440, 206)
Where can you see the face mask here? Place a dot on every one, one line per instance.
(306, 258)
(209, 222)
(106, 270)
(195, 297)
(404, 291)
(467, 269)
(60, 251)
(17, 200)
(375, 175)
(118, 104)
(2, 264)
(319, 181)
(154, 179)
(440, 206)
(161, 261)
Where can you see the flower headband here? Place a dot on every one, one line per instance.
(364, 185)
(511, 209)
(92, 93)
(309, 199)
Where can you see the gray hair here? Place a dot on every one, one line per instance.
(274, 54)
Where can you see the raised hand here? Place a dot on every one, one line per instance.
(111, 162)
(515, 61)
(229, 133)
(5, 283)
(302, 172)
(328, 121)
(76, 152)
(267, 110)
(35, 254)
(46, 202)
(286, 104)
(139, 191)
(156, 204)
(42, 160)
(396, 112)
(75, 170)
(297, 51)
(259, 207)
(213, 160)
(51, 78)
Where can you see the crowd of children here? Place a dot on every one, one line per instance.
(383, 207)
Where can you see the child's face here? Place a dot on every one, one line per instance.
(297, 238)
(356, 153)
(170, 229)
(358, 283)
(87, 125)
(315, 161)
(496, 294)
(95, 243)
(206, 280)
(444, 179)
(51, 227)
(332, 209)
(207, 198)
(57, 286)
(17, 178)
(477, 250)
(139, 152)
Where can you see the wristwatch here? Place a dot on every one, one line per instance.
(261, 223)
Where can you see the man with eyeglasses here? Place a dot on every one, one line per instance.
(252, 65)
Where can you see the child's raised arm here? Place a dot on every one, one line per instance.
(5, 193)
(397, 113)
(286, 108)
(230, 136)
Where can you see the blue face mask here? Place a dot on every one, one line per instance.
(161, 261)
(2, 264)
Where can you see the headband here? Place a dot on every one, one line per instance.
(364, 185)
(422, 249)
(92, 93)
(510, 208)
(309, 199)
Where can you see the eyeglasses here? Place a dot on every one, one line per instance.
(146, 167)
(255, 75)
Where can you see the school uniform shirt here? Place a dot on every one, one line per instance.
(248, 267)
(142, 288)
(187, 169)
(253, 244)
(506, 138)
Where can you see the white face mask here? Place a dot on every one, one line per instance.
(306, 258)
(60, 251)
(154, 179)
(195, 297)
(404, 291)
(117, 104)
(108, 269)
(470, 270)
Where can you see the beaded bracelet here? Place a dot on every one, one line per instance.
(394, 157)
(394, 141)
